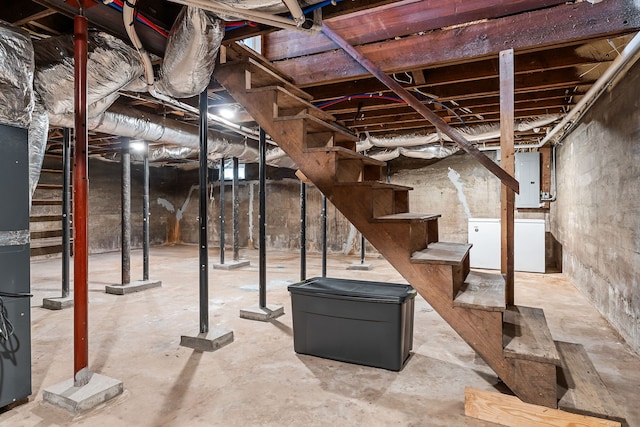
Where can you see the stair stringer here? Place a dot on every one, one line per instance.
(482, 330)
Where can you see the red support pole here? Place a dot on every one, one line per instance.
(80, 206)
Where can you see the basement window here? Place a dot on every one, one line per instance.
(228, 171)
(254, 43)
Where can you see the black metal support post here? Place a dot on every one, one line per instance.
(66, 209)
(202, 217)
(303, 230)
(125, 161)
(236, 202)
(221, 211)
(324, 236)
(145, 215)
(262, 218)
(363, 248)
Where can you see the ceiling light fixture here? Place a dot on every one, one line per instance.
(227, 113)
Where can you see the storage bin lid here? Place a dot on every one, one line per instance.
(354, 289)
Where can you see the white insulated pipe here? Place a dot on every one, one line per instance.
(620, 65)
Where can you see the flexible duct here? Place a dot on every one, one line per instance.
(111, 66)
(432, 146)
(471, 133)
(16, 76)
(190, 55)
(38, 135)
(17, 107)
(132, 123)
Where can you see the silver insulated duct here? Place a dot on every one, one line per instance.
(111, 66)
(191, 52)
(16, 76)
(17, 98)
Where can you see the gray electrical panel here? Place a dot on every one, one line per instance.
(15, 315)
(528, 175)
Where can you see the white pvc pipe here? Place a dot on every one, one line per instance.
(619, 66)
(252, 15)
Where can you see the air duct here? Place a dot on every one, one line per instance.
(190, 55)
(38, 134)
(111, 66)
(437, 145)
(132, 123)
(16, 76)
(17, 107)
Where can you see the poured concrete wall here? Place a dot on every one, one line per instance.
(597, 215)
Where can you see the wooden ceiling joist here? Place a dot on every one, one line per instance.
(397, 20)
(571, 24)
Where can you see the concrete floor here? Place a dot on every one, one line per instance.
(259, 380)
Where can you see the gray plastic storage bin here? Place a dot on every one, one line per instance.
(368, 323)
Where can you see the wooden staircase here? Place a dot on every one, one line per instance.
(514, 341)
(46, 210)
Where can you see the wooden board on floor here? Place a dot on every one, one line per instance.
(585, 392)
(510, 411)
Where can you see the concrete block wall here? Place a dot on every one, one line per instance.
(597, 215)
(105, 205)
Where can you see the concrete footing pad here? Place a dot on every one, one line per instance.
(58, 303)
(232, 265)
(76, 400)
(262, 314)
(360, 266)
(137, 286)
(208, 341)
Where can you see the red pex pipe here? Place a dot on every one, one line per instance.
(80, 206)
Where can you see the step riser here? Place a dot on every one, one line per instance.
(535, 382)
(325, 140)
(388, 201)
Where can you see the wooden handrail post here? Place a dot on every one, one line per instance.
(507, 161)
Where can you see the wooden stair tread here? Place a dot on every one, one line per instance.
(349, 154)
(238, 51)
(442, 253)
(45, 218)
(47, 242)
(374, 184)
(581, 389)
(45, 202)
(527, 336)
(288, 100)
(262, 75)
(49, 186)
(315, 124)
(481, 290)
(406, 217)
(46, 170)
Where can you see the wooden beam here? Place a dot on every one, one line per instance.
(507, 162)
(563, 58)
(35, 16)
(531, 82)
(510, 411)
(561, 25)
(397, 20)
(349, 107)
(407, 113)
(440, 124)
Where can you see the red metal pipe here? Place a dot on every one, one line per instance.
(80, 207)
